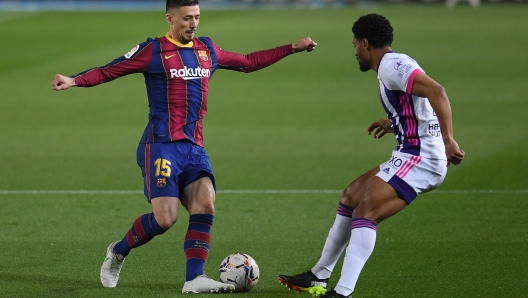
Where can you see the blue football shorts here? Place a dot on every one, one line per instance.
(168, 168)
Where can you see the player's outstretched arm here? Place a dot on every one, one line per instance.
(260, 59)
(305, 44)
(424, 86)
(380, 128)
(61, 82)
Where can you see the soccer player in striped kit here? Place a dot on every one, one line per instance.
(419, 114)
(177, 68)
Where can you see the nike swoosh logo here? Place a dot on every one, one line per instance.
(167, 57)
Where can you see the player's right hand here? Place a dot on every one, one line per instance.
(381, 128)
(61, 82)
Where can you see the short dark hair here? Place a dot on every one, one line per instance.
(179, 3)
(375, 28)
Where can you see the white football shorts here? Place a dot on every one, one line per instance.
(411, 175)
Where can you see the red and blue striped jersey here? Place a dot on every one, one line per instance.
(177, 79)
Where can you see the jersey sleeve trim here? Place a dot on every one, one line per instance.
(410, 82)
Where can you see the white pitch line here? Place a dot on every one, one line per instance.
(248, 191)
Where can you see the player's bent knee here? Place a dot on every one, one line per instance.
(209, 209)
(346, 197)
(369, 210)
(363, 213)
(166, 224)
(376, 211)
(351, 195)
(165, 221)
(205, 209)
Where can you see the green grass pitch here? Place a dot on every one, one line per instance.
(298, 125)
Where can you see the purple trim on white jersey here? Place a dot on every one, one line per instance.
(404, 123)
(409, 116)
(414, 122)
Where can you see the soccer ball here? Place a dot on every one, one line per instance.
(240, 270)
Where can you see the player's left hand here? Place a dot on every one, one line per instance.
(61, 82)
(305, 44)
(454, 154)
(380, 128)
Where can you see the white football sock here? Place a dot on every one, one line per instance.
(335, 244)
(361, 245)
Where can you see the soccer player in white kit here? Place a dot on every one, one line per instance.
(419, 115)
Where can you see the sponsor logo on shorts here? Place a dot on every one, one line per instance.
(386, 170)
(162, 182)
(397, 162)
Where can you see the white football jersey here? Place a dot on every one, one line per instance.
(413, 120)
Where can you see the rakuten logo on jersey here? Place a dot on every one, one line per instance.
(190, 73)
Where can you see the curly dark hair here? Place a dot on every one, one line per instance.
(375, 28)
(179, 3)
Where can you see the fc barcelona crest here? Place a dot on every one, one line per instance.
(162, 182)
(203, 55)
